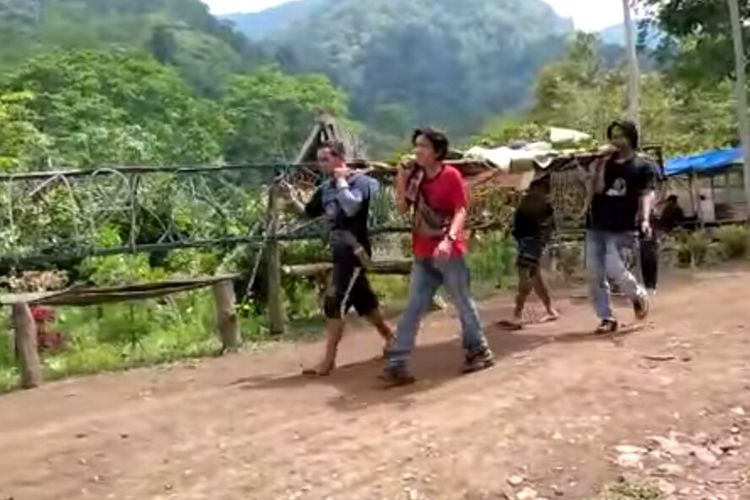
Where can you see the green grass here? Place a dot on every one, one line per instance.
(735, 241)
(122, 336)
(492, 261)
(631, 491)
(129, 335)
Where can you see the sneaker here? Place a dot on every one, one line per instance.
(607, 326)
(641, 307)
(397, 375)
(479, 361)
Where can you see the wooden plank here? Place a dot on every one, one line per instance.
(26, 346)
(226, 315)
(396, 266)
(8, 299)
(77, 295)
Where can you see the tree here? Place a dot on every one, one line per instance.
(21, 143)
(699, 42)
(117, 107)
(270, 113)
(181, 33)
(580, 92)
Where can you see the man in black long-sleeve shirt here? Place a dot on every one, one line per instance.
(533, 224)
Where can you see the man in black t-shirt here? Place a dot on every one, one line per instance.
(344, 200)
(622, 196)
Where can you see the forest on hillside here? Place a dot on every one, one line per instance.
(89, 82)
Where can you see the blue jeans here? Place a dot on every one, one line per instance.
(427, 276)
(604, 261)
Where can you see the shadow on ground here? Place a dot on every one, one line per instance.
(433, 365)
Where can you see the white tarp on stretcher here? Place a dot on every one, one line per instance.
(528, 156)
(538, 154)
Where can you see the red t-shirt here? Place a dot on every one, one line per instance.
(445, 194)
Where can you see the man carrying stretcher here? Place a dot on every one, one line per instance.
(344, 199)
(436, 197)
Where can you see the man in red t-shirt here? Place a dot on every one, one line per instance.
(437, 197)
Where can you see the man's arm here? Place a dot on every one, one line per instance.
(461, 203)
(402, 179)
(458, 222)
(594, 180)
(647, 204)
(648, 192)
(459, 200)
(297, 204)
(599, 175)
(312, 209)
(352, 196)
(549, 224)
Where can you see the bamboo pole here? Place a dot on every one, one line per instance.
(398, 266)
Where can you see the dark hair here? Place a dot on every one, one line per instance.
(438, 140)
(337, 148)
(672, 197)
(629, 129)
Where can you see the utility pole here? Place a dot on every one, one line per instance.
(633, 71)
(741, 96)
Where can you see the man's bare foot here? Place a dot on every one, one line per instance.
(511, 324)
(322, 370)
(551, 316)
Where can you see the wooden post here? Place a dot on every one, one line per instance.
(226, 315)
(26, 346)
(695, 191)
(273, 259)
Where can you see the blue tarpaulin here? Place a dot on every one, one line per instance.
(703, 163)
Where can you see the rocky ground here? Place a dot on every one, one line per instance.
(660, 412)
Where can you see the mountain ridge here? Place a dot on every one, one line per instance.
(478, 57)
(267, 22)
(181, 33)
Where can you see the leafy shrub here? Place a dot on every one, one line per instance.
(692, 248)
(734, 240)
(492, 259)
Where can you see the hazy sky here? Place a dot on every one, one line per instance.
(589, 15)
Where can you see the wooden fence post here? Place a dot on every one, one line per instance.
(273, 260)
(226, 315)
(26, 346)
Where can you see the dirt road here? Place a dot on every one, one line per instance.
(548, 418)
